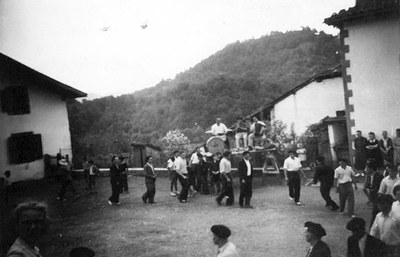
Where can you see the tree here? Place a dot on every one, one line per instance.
(174, 140)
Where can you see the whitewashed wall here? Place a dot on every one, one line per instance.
(49, 118)
(374, 52)
(311, 104)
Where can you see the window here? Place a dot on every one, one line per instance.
(15, 100)
(24, 147)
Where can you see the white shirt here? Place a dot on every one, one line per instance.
(344, 175)
(194, 159)
(302, 154)
(248, 167)
(181, 165)
(225, 166)
(228, 250)
(171, 164)
(215, 129)
(292, 164)
(387, 185)
(386, 229)
(91, 170)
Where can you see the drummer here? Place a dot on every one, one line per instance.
(219, 130)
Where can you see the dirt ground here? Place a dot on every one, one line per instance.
(169, 228)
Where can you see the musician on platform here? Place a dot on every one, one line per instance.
(219, 130)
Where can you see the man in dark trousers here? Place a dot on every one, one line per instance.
(371, 187)
(313, 234)
(245, 171)
(225, 169)
(360, 243)
(325, 174)
(150, 181)
(115, 179)
(124, 175)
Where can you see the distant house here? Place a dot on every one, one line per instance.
(370, 50)
(141, 151)
(307, 103)
(33, 119)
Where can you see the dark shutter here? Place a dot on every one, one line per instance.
(24, 147)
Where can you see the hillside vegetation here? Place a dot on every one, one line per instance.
(232, 82)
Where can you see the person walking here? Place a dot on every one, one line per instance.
(64, 171)
(292, 167)
(325, 174)
(150, 181)
(115, 181)
(225, 169)
(344, 178)
(245, 171)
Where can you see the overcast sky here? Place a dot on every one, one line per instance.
(105, 47)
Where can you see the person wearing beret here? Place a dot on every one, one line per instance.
(360, 243)
(220, 238)
(318, 248)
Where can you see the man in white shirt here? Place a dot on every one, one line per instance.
(181, 170)
(292, 167)
(389, 182)
(344, 178)
(173, 176)
(225, 169)
(221, 234)
(219, 130)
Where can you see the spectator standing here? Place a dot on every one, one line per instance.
(386, 147)
(195, 170)
(173, 176)
(371, 187)
(373, 150)
(32, 224)
(385, 226)
(302, 154)
(245, 171)
(388, 183)
(181, 170)
(150, 181)
(360, 147)
(360, 243)
(215, 174)
(93, 171)
(85, 166)
(124, 175)
(64, 171)
(344, 178)
(115, 181)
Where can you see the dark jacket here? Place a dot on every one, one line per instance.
(325, 174)
(374, 187)
(114, 174)
(149, 173)
(373, 247)
(242, 170)
(320, 249)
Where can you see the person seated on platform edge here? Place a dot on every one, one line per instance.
(257, 130)
(219, 130)
(241, 130)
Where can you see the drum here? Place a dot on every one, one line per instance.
(215, 144)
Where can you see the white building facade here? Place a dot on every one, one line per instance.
(370, 49)
(33, 119)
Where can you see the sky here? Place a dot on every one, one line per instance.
(114, 47)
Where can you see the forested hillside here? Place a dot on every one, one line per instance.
(232, 82)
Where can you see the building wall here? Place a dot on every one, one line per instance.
(310, 104)
(48, 117)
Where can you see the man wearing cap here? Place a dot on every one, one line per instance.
(314, 232)
(360, 244)
(292, 167)
(245, 171)
(220, 238)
